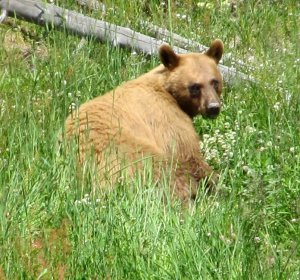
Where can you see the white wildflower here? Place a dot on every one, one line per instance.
(246, 168)
(261, 149)
(257, 239)
(270, 168)
(269, 144)
(276, 106)
(201, 4)
(72, 107)
(250, 129)
(227, 125)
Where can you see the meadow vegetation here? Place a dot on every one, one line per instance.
(53, 226)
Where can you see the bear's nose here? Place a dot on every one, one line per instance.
(213, 109)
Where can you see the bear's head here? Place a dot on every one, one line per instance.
(194, 79)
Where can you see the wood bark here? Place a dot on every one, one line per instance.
(56, 17)
(182, 42)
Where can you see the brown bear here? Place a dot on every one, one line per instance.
(151, 116)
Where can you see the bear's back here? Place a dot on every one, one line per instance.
(137, 111)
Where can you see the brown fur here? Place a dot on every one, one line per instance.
(152, 116)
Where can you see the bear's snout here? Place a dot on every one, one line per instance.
(213, 110)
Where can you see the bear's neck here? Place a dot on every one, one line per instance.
(155, 79)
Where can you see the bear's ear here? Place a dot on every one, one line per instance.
(168, 57)
(215, 50)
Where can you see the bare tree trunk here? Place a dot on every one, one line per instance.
(76, 23)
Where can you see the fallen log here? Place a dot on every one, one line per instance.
(53, 16)
(182, 42)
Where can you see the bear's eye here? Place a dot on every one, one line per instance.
(195, 90)
(215, 84)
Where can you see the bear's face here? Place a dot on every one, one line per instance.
(194, 79)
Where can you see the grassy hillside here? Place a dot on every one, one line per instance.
(53, 226)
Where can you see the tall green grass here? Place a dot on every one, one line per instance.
(53, 226)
